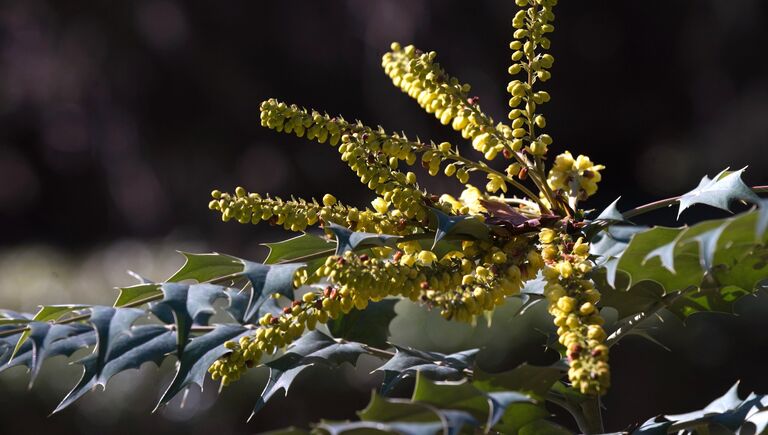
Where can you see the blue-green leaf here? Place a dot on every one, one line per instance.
(348, 240)
(468, 225)
(268, 280)
(369, 326)
(743, 416)
(313, 348)
(47, 340)
(145, 343)
(109, 323)
(188, 305)
(434, 365)
(201, 352)
(719, 192)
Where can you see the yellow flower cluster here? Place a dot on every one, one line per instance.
(274, 332)
(532, 23)
(572, 301)
(577, 177)
(298, 214)
(417, 74)
(462, 284)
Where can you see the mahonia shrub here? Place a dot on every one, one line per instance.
(523, 233)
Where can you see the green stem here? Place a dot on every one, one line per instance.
(592, 416)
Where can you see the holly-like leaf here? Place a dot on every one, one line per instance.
(268, 280)
(611, 214)
(297, 248)
(469, 226)
(45, 313)
(313, 348)
(47, 340)
(398, 411)
(187, 305)
(719, 192)
(525, 378)
(348, 240)
(205, 267)
(728, 411)
(376, 427)
(709, 265)
(199, 354)
(369, 326)
(109, 323)
(145, 343)
(437, 366)
(487, 407)
(135, 293)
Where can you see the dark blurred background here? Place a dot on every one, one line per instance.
(118, 118)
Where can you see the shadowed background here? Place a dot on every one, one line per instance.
(117, 120)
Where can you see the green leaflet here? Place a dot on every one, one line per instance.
(135, 293)
(205, 267)
(399, 411)
(710, 265)
(44, 314)
(296, 248)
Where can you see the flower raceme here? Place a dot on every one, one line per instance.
(572, 301)
(463, 277)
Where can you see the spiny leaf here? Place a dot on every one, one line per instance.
(728, 411)
(267, 280)
(313, 348)
(374, 427)
(711, 265)
(296, 248)
(199, 354)
(205, 267)
(537, 380)
(408, 362)
(109, 323)
(381, 409)
(369, 326)
(348, 240)
(719, 192)
(610, 215)
(140, 344)
(47, 340)
(188, 305)
(135, 293)
(446, 225)
(488, 407)
(44, 314)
